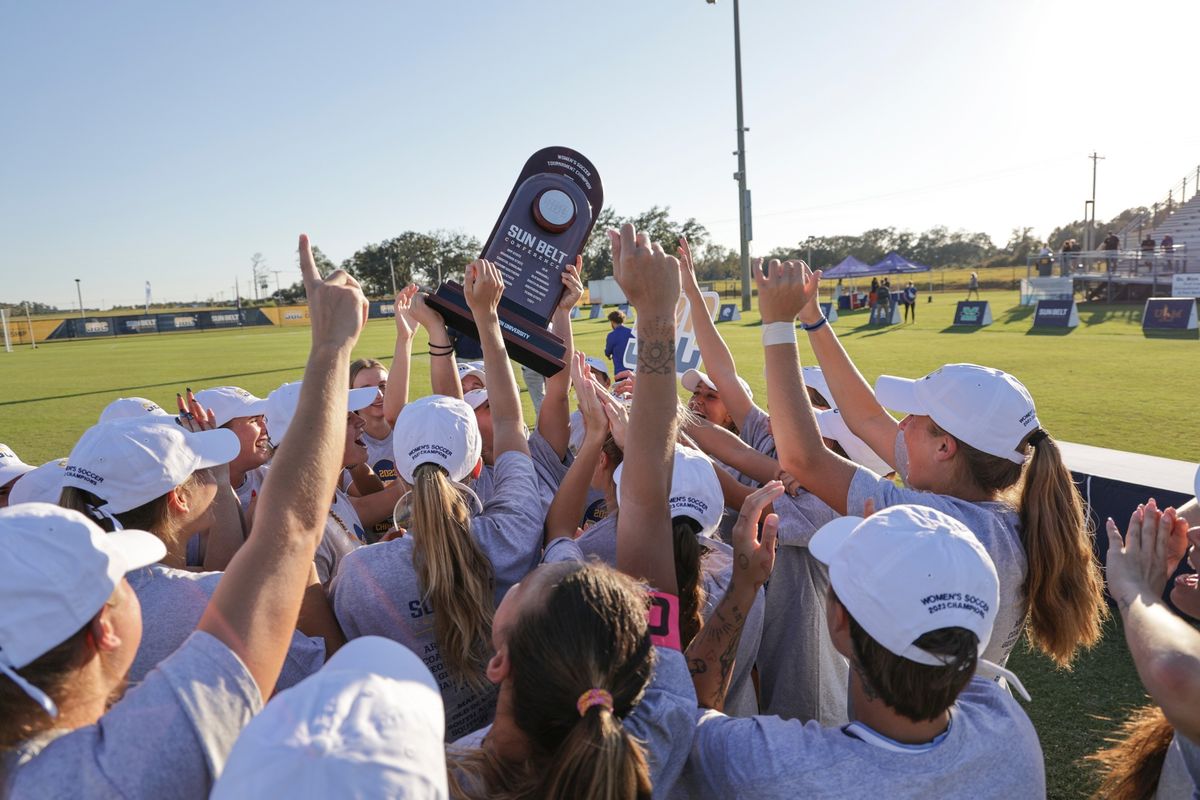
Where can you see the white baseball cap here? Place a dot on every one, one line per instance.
(437, 429)
(57, 570)
(692, 379)
(11, 467)
(695, 490)
(599, 365)
(469, 368)
(908, 570)
(280, 407)
(475, 398)
(986, 408)
(814, 377)
(833, 426)
(40, 485)
(131, 407)
(231, 402)
(370, 723)
(130, 462)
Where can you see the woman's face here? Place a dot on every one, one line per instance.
(125, 616)
(471, 383)
(356, 449)
(252, 436)
(920, 447)
(377, 377)
(707, 403)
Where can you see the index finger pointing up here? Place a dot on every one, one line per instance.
(308, 267)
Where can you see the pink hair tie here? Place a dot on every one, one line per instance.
(594, 697)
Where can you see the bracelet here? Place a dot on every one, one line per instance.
(815, 325)
(778, 333)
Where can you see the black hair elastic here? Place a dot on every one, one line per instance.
(1038, 437)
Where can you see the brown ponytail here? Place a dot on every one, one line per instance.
(586, 631)
(51, 672)
(455, 574)
(688, 554)
(1063, 585)
(1131, 765)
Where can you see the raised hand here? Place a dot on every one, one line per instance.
(623, 383)
(483, 286)
(587, 392)
(786, 289)
(753, 560)
(336, 304)
(572, 284)
(406, 318)
(618, 417)
(687, 269)
(192, 415)
(648, 276)
(1152, 547)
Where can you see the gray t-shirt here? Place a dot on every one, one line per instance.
(993, 523)
(989, 751)
(380, 457)
(548, 468)
(377, 591)
(251, 486)
(1180, 776)
(168, 737)
(801, 675)
(344, 533)
(173, 600)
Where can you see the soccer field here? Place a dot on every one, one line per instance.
(1104, 384)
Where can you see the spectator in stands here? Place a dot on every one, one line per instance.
(1111, 245)
(618, 339)
(973, 286)
(1168, 248)
(1148, 245)
(909, 298)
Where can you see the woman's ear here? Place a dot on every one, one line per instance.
(177, 500)
(102, 632)
(947, 447)
(498, 666)
(837, 619)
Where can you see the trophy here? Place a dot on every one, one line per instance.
(543, 227)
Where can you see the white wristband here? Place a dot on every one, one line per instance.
(778, 333)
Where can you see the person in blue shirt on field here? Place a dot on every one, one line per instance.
(614, 345)
(909, 299)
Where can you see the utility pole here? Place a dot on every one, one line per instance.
(79, 293)
(29, 320)
(277, 271)
(744, 217)
(392, 269)
(1087, 234)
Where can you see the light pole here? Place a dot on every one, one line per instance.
(740, 175)
(79, 293)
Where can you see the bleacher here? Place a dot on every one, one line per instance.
(1183, 224)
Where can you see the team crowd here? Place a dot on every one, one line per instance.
(355, 587)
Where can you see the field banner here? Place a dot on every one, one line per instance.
(1185, 285)
(596, 309)
(1056, 314)
(886, 315)
(973, 313)
(830, 311)
(176, 322)
(382, 309)
(1169, 313)
(729, 313)
(687, 353)
(142, 324)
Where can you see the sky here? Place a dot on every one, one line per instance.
(169, 142)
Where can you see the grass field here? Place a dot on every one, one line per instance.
(1104, 384)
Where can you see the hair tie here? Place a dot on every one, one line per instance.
(1038, 437)
(594, 697)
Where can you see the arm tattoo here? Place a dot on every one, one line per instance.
(656, 348)
(697, 666)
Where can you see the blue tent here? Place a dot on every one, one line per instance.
(849, 267)
(894, 263)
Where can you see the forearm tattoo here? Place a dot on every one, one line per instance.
(656, 347)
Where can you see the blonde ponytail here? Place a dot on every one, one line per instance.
(454, 572)
(1063, 583)
(1131, 765)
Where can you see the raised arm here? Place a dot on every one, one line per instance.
(718, 361)
(395, 395)
(781, 294)
(728, 448)
(569, 501)
(554, 420)
(257, 601)
(484, 286)
(443, 369)
(711, 654)
(1165, 648)
(853, 395)
(650, 279)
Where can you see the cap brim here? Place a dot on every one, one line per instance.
(830, 537)
(692, 379)
(137, 548)
(214, 448)
(476, 398)
(833, 426)
(358, 399)
(14, 471)
(815, 378)
(898, 394)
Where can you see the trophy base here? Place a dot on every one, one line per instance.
(526, 342)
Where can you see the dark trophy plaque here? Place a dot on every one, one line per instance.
(544, 226)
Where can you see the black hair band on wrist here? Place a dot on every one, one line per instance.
(815, 325)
